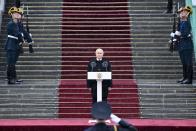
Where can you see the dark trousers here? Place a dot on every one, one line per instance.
(94, 94)
(186, 57)
(12, 57)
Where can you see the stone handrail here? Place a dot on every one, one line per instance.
(2, 8)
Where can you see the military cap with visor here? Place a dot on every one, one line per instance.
(15, 10)
(187, 8)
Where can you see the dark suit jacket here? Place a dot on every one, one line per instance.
(96, 66)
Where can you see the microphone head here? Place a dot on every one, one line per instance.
(105, 64)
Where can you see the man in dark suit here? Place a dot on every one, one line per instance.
(99, 64)
(102, 111)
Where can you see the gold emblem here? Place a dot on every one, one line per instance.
(99, 75)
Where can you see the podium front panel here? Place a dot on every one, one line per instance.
(99, 75)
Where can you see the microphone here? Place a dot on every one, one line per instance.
(105, 64)
(93, 64)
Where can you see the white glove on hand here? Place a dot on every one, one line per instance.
(174, 40)
(30, 34)
(189, 35)
(178, 33)
(30, 43)
(115, 118)
(172, 34)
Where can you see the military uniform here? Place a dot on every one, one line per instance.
(12, 48)
(15, 38)
(99, 66)
(102, 111)
(26, 35)
(185, 45)
(123, 126)
(185, 49)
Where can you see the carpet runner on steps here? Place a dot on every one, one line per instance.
(87, 25)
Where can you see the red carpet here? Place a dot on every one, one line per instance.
(75, 99)
(87, 25)
(81, 124)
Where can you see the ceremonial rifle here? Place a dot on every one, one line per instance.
(27, 22)
(28, 30)
(172, 42)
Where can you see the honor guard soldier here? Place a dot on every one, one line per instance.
(101, 111)
(99, 64)
(13, 44)
(185, 44)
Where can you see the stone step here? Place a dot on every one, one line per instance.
(136, 62)
(118, 70)
(83, 76)
(151, 26)
(44, 19)
(57, 58)
(157, 76)
(107, 54)
(116, 76)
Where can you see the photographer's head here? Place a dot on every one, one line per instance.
(101, 111)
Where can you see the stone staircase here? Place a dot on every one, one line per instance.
(155, 68)
(37, 96)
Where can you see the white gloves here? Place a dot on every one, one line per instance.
(30, 35)
(178, 33)
(115, 118)
(189, 35)
(172, 34)
(30, 43)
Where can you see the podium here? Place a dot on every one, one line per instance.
(99, 76)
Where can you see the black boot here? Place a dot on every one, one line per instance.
(189, 74)
(11, 81)
(181, 80)
(10, 77)
(184, 74)
(8, 72)
(187, 81)
(17, 81)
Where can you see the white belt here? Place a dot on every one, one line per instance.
(11, 36)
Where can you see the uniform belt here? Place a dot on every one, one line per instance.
(13, 37)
